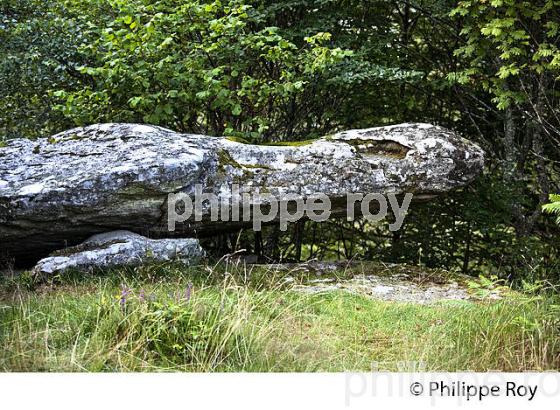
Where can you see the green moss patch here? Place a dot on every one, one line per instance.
(239, 140)
(274, 144)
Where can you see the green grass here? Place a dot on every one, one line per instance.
(237, 319)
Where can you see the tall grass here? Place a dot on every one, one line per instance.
(232, 318)
(162, 324)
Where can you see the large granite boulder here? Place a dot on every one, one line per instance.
(58, 191)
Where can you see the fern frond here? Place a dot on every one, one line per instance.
(553, 207)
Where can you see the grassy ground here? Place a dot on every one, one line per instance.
(237, 319)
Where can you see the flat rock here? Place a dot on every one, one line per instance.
(58, 191)
(390, 288)
(385, 281)
(119, 248)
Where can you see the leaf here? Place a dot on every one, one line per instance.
(236, 110)
(134, 101)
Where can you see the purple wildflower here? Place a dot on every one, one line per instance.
(125, 291)
(142, 296)
(188, 292)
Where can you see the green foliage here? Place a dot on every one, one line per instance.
(254, 69)
(507, 40)
(38, 54)
(207, 67)
(553, 207)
